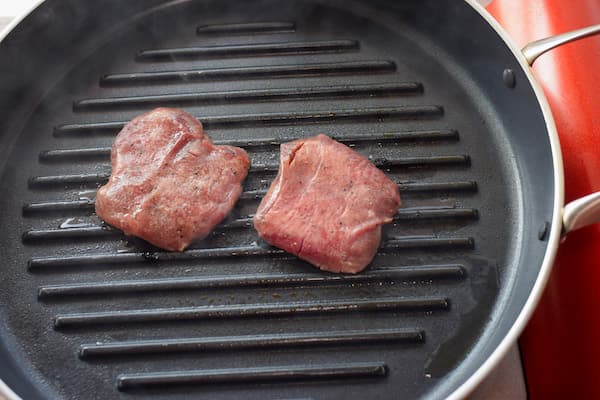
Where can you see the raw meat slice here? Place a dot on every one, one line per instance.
(169, 184)
(327, 205)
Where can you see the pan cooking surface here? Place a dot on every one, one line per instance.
(93, 314)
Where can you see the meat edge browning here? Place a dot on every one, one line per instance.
(359, 255)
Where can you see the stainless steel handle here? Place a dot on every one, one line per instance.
(535, 49)
(581, 212)
(586, 210)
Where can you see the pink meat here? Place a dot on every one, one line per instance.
(170, 185)
(327, 205)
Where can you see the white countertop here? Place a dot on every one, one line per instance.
(11, 8)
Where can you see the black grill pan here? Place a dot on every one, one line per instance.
(89, 313)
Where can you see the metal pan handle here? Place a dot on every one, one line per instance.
(535, 49)
(581, 212)
(586, 210)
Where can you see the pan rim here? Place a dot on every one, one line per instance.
(5, 391)
(17, 20)
(535, 294)
(520, 322)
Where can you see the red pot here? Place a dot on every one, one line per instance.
(561, 346)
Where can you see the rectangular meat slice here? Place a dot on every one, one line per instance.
(170, 185)
(327, 205)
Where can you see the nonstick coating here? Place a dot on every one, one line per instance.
(436, 110)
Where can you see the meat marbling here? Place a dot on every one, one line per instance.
(327, 205)
(169, 184)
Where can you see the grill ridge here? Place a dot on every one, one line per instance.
(253, 49)
(442, 271)
(99, 231)
(101, 178)
(392, 244)
(255, 95)
(250, 72)
(277, 119)
(228, 343)
(104, 231)
(436, 135)
(404, 187)
(246, 28)
(255, 374)
(431, 303)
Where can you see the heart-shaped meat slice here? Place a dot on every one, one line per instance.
(327, 205)
(170, 185)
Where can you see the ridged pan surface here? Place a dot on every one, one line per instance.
(91, 313)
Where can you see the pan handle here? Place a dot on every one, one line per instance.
(535, 49)
(581, 212)
(586, 210)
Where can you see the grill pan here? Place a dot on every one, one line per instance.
(449, 115)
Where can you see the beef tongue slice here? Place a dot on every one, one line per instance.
(170, 185)
(327, 205)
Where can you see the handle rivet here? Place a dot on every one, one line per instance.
(509, 78)
(543, 232)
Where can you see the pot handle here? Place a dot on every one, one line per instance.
(586, 210)
(535, 49)
(581, 212)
